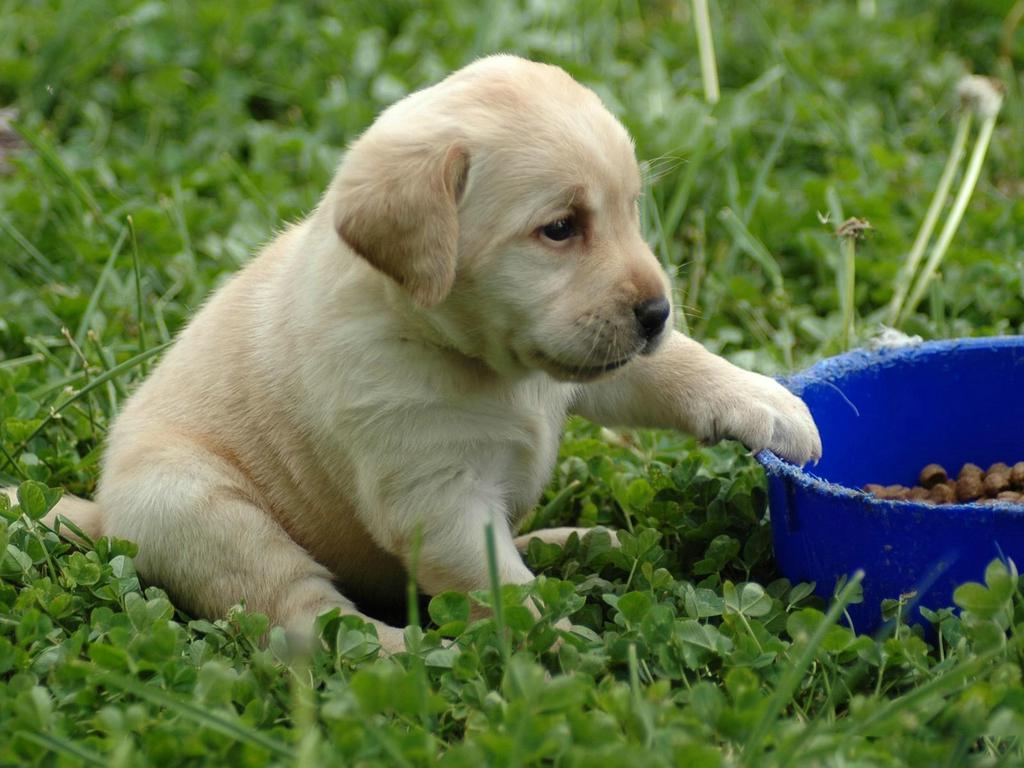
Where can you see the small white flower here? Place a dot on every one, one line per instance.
(982, 94)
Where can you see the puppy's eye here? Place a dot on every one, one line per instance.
(560, 230)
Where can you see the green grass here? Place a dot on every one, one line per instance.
(163, 141)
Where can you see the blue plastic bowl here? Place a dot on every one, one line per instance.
(883, 416)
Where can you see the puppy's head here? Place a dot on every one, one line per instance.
(504, 201)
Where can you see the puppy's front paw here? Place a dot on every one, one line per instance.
(761, 413)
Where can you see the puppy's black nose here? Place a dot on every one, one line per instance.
(651, 315)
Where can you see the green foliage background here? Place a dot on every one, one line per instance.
(209, 124)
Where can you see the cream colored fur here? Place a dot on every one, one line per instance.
(399, 365)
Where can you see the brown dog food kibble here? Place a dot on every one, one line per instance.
(996, 482)
(942, 494)
(890, 492)
(969, 470)
(1017, 475)
(932, 475)
(970, 487)
(899, 492)
(999, 484)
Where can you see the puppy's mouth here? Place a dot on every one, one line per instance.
(652, 345)
(570, 372)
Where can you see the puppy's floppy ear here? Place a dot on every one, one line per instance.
(397, 200)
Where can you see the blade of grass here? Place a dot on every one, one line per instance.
(542, 516)
(10, 460)
(140, 318)
(80, 356)
(1010, 24)
(653, 217)
(55, 385)
(767, 164)
(706, 48)
(63, 522)
(937, 305)
(16, 362)
(251, 188)
(753, 247)
(412, 592)
(496, 608)
(730, 175)
(698, 265)
(681, 194)
(845, 266)
(97, 291)
(642, 712)
(835, 206)
(40, 346)
(107, 361)
(664, 256)
(204, 717)
(178, 210)
(848, 246)
(795, 672)
(64, 747)
(160, 322)
(47, 272)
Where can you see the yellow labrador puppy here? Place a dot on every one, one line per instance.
(398, 366)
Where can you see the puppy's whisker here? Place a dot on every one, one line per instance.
(670, 158)
(585, 364)
(658, 167)
(653, 179)
(596, 340)
(674, 270)
(678, 306)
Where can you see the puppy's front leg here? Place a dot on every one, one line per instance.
(683, 386)
(436, 522)
(451, 549)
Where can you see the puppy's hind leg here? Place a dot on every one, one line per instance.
(205, 537)
(302, 601)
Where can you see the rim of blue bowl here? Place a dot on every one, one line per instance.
(859, 359)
